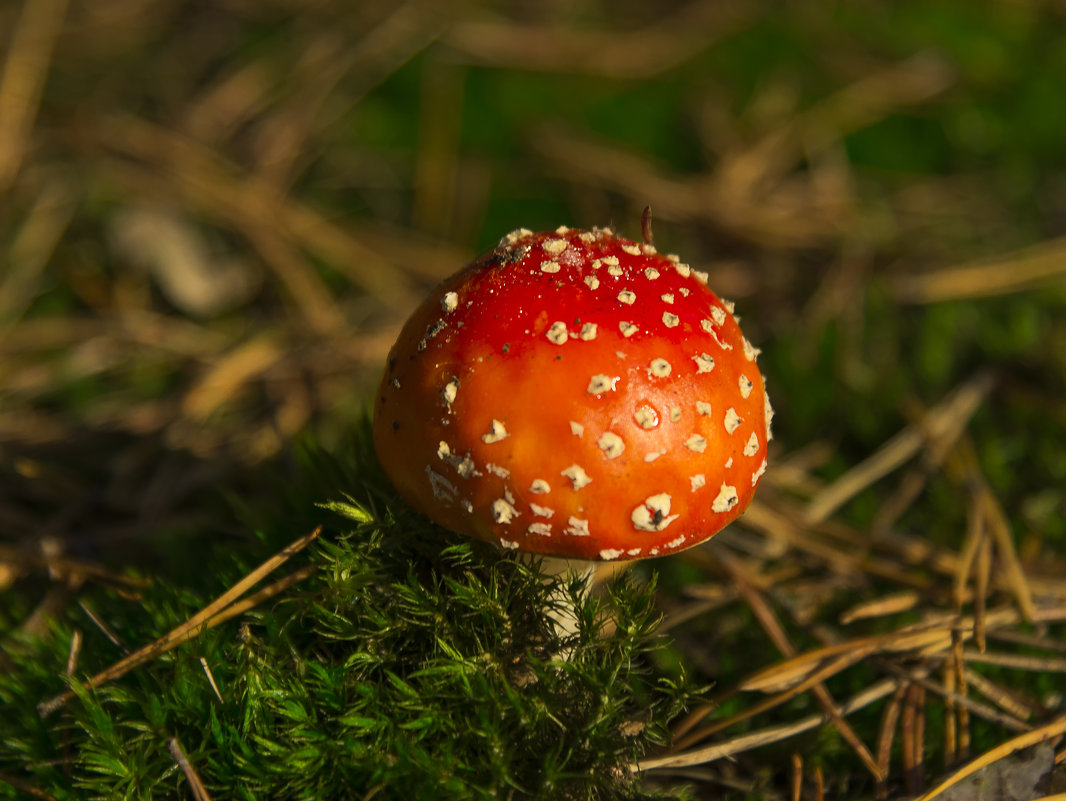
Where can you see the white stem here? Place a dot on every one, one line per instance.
(563, 614)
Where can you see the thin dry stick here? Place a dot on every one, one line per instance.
(772, 626)
(199, 792)
(1051, 731)
(186, 630)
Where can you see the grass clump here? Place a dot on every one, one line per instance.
(408, 665)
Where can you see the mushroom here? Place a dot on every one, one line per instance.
(575, 394)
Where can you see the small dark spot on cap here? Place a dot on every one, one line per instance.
(382, 398)
(657, 518)
(505, 256)
(392, 363)
(506, 347)
(395, 425)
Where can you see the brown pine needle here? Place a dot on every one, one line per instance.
(1013, 272)
(25, 787)
(981, 710)
(886, 736)
(980, 594)
(199, 792)
(911, 740)
(211, 679)
(882, 607)
(975, 532)
(951, 719)
(1000, 696)
(772, 734)
(210, 615)
(1000, 529)
(74, 652)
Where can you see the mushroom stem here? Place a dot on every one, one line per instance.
(564, 615)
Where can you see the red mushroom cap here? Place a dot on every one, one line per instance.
(575, 394)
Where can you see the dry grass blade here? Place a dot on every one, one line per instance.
(31, 250)
(1051, 731)
(229, 374)
(961, 403)
(25, 70)
(186, 630)
(1015, 272)
(643, 53)
(247, 203)
(909, 82)
(1000, 530)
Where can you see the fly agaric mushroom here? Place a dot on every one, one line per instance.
(578, 395)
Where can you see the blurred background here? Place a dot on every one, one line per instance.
(214, 217)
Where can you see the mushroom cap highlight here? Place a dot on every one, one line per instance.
(575, 394)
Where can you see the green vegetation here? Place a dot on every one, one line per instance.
(212, 221)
